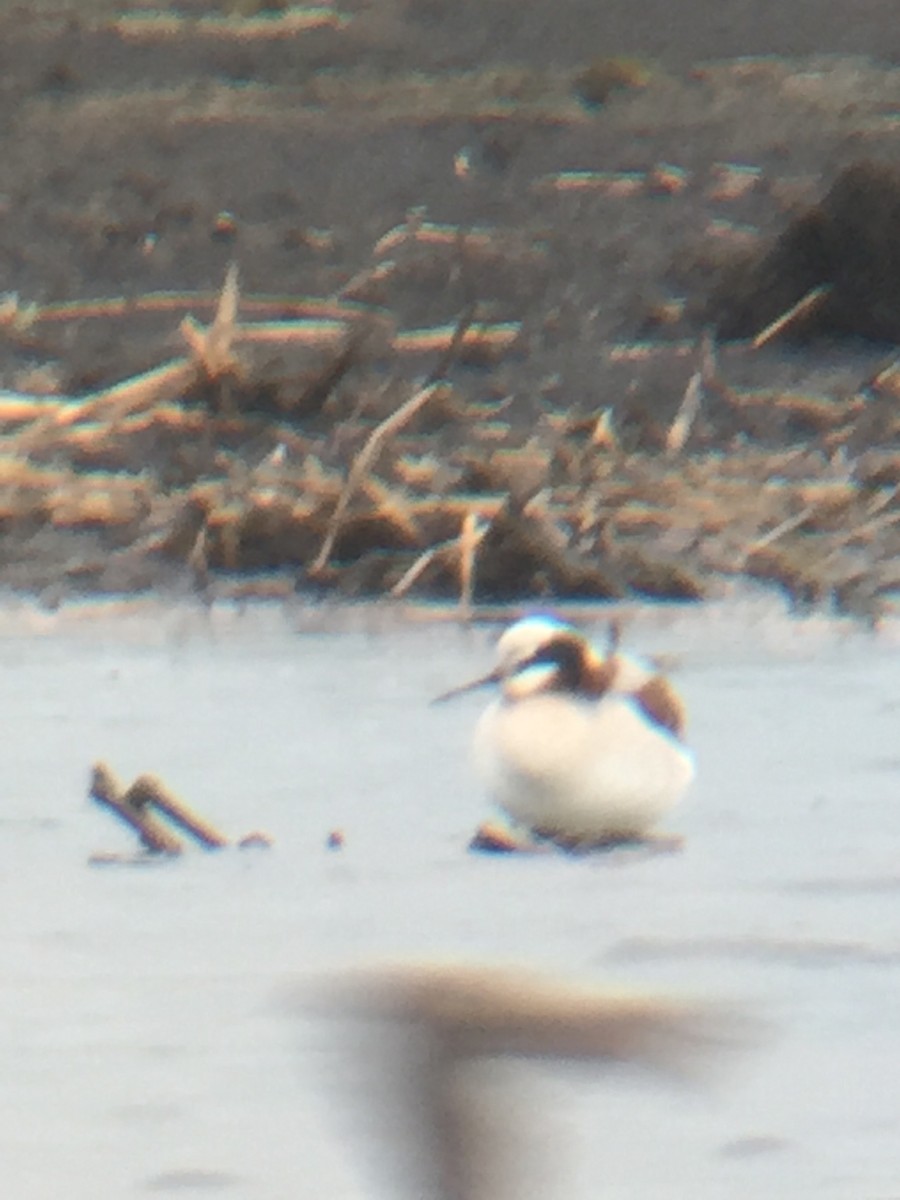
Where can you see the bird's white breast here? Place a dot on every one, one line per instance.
(583, 769)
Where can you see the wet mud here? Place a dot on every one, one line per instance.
(372, 302)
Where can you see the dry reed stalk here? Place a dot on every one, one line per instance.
(279, 307)
(482, 339)
(409, 577)
(608, 183)
(886, 379)
(102, 436)
(805, 305)
(788, 525)
(379, 273)
(211, 347)
(18, 408)
(148, 792)
(641, 351)
(603, 435)
(163, 383)
(400, 234)
(165, 26)
(163, 416)
(379, 436)
(107, 791)
(139, 392)
(683, 422)
(78, 503)
(427, 233)
(124, 306)
(197, 558)
(318, 333)
(470, 536)
(363, 461)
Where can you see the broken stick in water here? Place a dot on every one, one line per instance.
(106, 789)
(142, 805)
(148, 791)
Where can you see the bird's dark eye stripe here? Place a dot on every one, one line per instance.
(566, 655)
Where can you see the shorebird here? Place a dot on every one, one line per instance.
(581, 748)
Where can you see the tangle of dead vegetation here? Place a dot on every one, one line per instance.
(206, 463)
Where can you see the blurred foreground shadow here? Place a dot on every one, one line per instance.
(427, 1049)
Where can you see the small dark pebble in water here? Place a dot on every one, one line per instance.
(257, 840)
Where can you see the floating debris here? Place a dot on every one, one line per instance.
(150, 809)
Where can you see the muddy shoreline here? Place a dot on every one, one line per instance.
(429, 316)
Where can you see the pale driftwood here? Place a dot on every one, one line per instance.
(683, 422)
(781, 530)
(689, 409)
(640, 351)
(163, 26)
(107, 791)
(20, 408)
(805, 305)
(140, 806)
(409, 577)
(603, 435)
(110, 404)
(470, 537)
(211, 347)
(463, 549)
(299, 307)
(427, 233)
(322, 334)
(362, 463)
(609, 183)
(148, 791)
(485, 339)
(377, 438)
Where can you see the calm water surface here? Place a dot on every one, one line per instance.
(145, 1045)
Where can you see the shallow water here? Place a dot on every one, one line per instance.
(146, 1045)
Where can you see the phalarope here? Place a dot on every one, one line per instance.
(580, 748)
